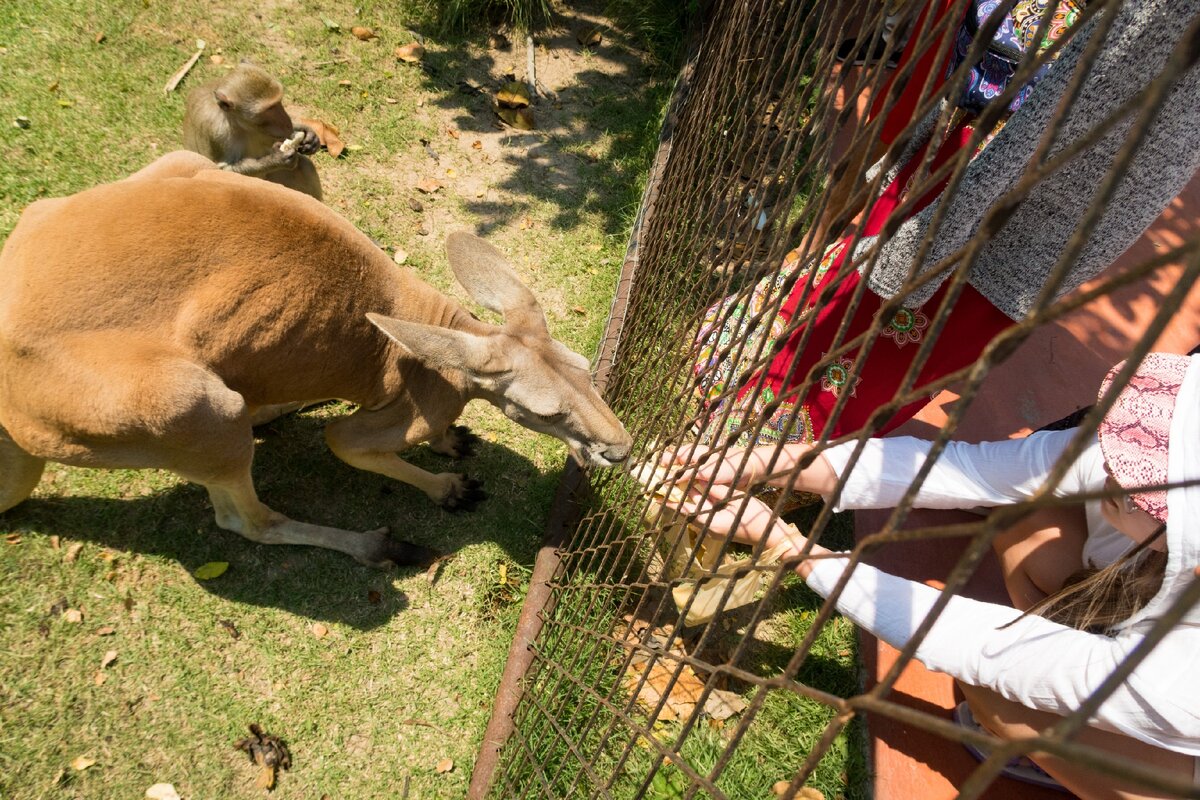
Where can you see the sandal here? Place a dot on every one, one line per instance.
(1021, 768)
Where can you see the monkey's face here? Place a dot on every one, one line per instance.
(272, 121)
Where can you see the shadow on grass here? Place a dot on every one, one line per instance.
(594, 136)
(297, 475)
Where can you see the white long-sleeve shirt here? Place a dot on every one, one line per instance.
(1036, 662)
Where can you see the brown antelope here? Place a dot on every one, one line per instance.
(149, 323)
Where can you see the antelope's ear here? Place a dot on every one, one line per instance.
(442, 348)
(484, 272)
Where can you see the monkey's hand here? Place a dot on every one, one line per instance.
(311, 143)
(286, 154)
(277, 160)
(292, 144)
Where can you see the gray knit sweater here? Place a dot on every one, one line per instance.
(1014, 265)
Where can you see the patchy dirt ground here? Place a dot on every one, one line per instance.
(514, 185)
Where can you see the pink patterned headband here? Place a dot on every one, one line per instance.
(1134, 434)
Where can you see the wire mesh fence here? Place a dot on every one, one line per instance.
(855, 205)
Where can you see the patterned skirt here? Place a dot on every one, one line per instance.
(787, 411)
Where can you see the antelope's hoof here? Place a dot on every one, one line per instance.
(457, 442)
(389, 552)
(464, 495)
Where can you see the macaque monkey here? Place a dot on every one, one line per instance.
(239, 122)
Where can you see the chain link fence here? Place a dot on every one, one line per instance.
(821, 247)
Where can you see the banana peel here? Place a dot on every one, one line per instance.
(708, 589)
(703, 575)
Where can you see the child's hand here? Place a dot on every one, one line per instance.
(766, 465)
(703, 466)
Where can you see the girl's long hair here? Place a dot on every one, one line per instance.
(1095, 600)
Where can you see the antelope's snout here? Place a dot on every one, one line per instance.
(608, 454)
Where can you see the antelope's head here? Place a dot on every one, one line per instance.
(535, 380)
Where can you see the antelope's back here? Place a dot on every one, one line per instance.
(229, 270)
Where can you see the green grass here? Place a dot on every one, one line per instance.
(408, 669)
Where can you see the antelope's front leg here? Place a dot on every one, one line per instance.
(362, 442)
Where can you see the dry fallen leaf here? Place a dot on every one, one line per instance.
(444, 766)
(100, 37)
(213, 569)
(100, 677)
(513, 94)
(477, 145)
(327, 135)
(73, 615)
(105, 630)
(269, 752)
(363, 33)
(722, 704)
(319, 630)
(684, 692)
(519, 118)
(428, 186)
(73, 552)
(162, 791)
(108, 659)
(589, 37)
(399, 256)
(217, 59)
(410, 53)
(13, 538)
(230, 627)
(374, 597)
(80, 763)
(453, 134)
(579, 310)
(55, 542)
(345, 84)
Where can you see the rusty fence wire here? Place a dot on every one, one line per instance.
(619, 685)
